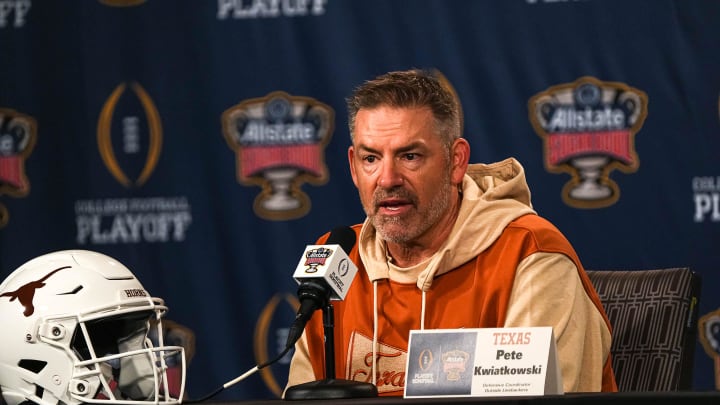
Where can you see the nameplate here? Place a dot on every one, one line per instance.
(485, 362)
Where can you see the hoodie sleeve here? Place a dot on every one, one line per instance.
(548, 292)
(301, 370)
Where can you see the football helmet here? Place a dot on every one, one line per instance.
(76, 329)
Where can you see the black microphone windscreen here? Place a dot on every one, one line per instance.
(343, 236)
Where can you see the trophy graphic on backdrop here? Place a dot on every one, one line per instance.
(589, 170)
(281, 196)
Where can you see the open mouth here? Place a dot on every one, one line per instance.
(393, 206)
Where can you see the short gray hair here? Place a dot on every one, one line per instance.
(410, 89)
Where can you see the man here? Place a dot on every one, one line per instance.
(447, 245)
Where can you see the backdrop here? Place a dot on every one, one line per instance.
(204, 143)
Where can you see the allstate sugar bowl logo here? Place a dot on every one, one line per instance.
(455, 363)
(588, 128)
(279, 141)
(315, 258)
(17, 138)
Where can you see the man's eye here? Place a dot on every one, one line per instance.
(410, 156)
(369, 159)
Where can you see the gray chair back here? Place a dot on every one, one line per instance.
(654, 316)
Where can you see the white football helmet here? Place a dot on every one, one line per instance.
(75, 330)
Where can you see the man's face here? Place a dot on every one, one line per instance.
(403, 172)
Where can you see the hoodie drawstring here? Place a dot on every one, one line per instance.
(422, 312)
(375, 336)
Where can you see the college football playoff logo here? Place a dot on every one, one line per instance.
(588, 128)
(133, 152)
(279, 141)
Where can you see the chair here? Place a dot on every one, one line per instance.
(654, 316)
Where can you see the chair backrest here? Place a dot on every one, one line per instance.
(654, 317)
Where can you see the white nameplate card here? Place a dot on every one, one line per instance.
(484, 362)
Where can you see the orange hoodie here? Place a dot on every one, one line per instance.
(502, 266)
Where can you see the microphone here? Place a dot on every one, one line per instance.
(323, 273)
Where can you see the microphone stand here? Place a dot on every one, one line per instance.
(330, 387)
(329, 332)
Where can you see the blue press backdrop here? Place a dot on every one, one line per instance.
(117, 118)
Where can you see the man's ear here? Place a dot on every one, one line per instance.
(351, 161)
(459, 159)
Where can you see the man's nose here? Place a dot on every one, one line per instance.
(389, 175)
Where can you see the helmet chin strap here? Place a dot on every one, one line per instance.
(107, 373)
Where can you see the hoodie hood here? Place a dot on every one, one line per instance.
(493, 195)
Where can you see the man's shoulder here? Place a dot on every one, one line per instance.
(538, 229)
(532, 223)
(324, 237)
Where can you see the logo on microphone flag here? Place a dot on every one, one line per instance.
(316, 257)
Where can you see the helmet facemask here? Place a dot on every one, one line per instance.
(119, 363)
